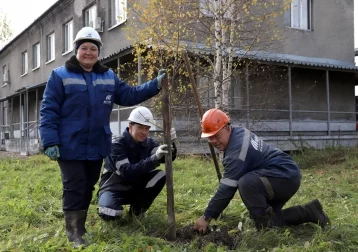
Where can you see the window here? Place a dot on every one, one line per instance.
(68, 36)
(5, 75)
(25, 64)
(36, 56)
(301, 14)
(118, 12)
(90, 16)
(50, 43)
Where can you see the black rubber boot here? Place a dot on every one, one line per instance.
(264, 221)
(317, 214)
(75, 227)
(311, 212)
(136, 211)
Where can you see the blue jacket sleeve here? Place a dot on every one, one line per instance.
(126, 95)
(228, 184)
(50, 110)
(122, 167)
(220, 201)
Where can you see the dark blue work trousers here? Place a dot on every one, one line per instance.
(140, 196)
(78, 180)
(259, 193)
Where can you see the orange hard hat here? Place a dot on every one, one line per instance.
(213, 120)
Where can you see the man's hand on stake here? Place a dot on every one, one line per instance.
(161, 151)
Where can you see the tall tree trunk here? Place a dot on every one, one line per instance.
(218, 62)
(227, 72)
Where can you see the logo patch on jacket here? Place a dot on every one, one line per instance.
(257, 143)
(108, 100)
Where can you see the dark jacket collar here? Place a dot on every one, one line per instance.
(130, 141)
(74, 66)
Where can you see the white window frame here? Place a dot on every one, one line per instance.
(301, 14)
(117, 12)
(50, 50)
(5, 75)
(90, 16)
(68, 37)
(24, 63)
(36, 56)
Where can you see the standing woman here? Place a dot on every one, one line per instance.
(75, 117)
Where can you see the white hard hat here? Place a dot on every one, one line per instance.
(141, 115)
(88, 33)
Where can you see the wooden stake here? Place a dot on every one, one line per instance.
(168, 158)
(193, 83)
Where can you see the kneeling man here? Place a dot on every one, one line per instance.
(130, 176)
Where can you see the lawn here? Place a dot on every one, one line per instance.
(31, 218)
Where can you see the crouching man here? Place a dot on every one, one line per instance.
(265, 177)
(130, 176)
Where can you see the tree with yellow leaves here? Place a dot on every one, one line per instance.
(219, 33)
(5, 30)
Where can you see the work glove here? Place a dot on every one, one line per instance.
(173, 134)
(52, 152)
(160, 152)
(160, 77)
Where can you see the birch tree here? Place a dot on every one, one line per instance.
(5, 30)
(221, 32)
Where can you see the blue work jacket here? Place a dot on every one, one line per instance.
(128, 162)
(245, 153)
(76, 109)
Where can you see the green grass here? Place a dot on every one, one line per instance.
(31, 218)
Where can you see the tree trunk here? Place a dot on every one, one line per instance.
(218, 66)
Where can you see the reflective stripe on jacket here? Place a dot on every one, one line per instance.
(76, 108)
(127, 163)
(246, 153)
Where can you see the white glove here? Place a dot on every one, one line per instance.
(161, 75)
(161, 151)
(173, 134)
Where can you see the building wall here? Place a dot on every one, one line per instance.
(332, 34)
(268, 89)
(52, 22)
